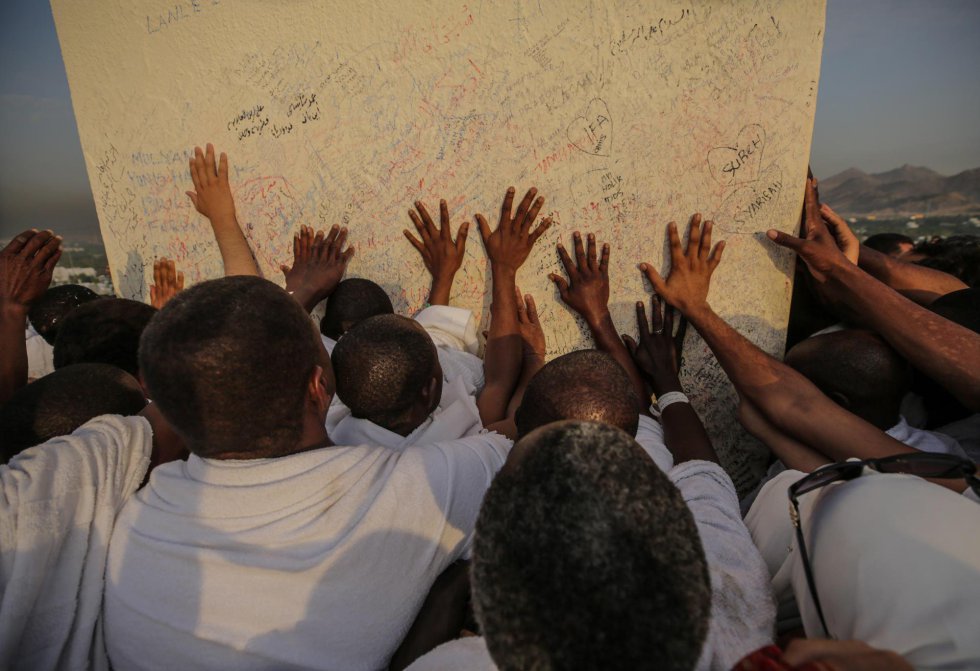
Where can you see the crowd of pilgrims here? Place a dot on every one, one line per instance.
(219, 480)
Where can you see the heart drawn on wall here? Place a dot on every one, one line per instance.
(743, 162)
(592, 132)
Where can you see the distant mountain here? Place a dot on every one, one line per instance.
(903, 191)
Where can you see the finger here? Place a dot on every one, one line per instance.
(295, 246)
(193, 197)
(338, 245)
(591, 254)
(562, 284)
(694, 236)
(169, 272)
(642, 325)
(668, 319)
(17, 244)
(676, 254)
(715, 257)
(34, 243)
(657, 307)
(197, 166)
(566, 261)
(784, 240)
(195, 179)
(532, 214)
(654, 277)
(180, 281)
(153, 295)
(521, 308)
(444, 220)
(430, 226)
(522, 209)
(506, 207)
(210, 170)
(539, 231)
(484, 227)
(464, 230)
(415, 242)
(579, 251)
(630, 344)
(157, 272)
(52, 261)
(604, 262)
(348, 255)
(811, 210)
(532, 309)
(420, 226)
(284, 268)
(705, 247)
(223, 167)
(47, 251)
(322, 243)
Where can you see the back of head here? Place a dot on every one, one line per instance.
(857, 369)
(586, 557)
(353, 301)
(587, 385)
(382, 365)
(58, 403)
(103, 331)
(229, 362)
(892, 244)
(962, 263)
(50, 310)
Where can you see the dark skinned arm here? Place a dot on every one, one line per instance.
(442, 256)
(507, 248)
(791, 452)
(26, 266)
(319, 264)
(657, 356)
(790, 402)
(943, 350)
(441, 618)
(586, 292)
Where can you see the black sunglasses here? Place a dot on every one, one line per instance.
(924, 465)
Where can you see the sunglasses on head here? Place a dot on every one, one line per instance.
(924, 465)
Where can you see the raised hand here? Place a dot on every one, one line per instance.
(532, 335)
(686, 286)
(658, 354)
(586, 291)
(510, 244)
(847, 242)
(212, 193)
(26, 266)
(818, 247)
(319, 264)
(167, 282)
(441, 255)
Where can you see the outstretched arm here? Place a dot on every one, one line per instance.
(319, 264)
(790, 402)
(212, 198)
(507, 248)
(943, 350)
(26, 266)
(586, 292)
(793, 453)
(918, 283)
(658, 356)
(441, 255)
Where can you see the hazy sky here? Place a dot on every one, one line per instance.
(900, 83)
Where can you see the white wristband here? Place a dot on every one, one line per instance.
(671, 397)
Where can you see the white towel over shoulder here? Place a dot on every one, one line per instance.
(57, 508)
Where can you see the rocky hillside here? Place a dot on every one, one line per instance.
(903, 191)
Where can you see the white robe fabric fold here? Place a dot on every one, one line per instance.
(59, 503)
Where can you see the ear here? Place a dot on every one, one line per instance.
(840, 399)
(432, 391)
(146, 392)
(316, 391)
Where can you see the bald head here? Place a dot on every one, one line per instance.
(353, 301)
(383, 366)
(858, 370)
(586, 385)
